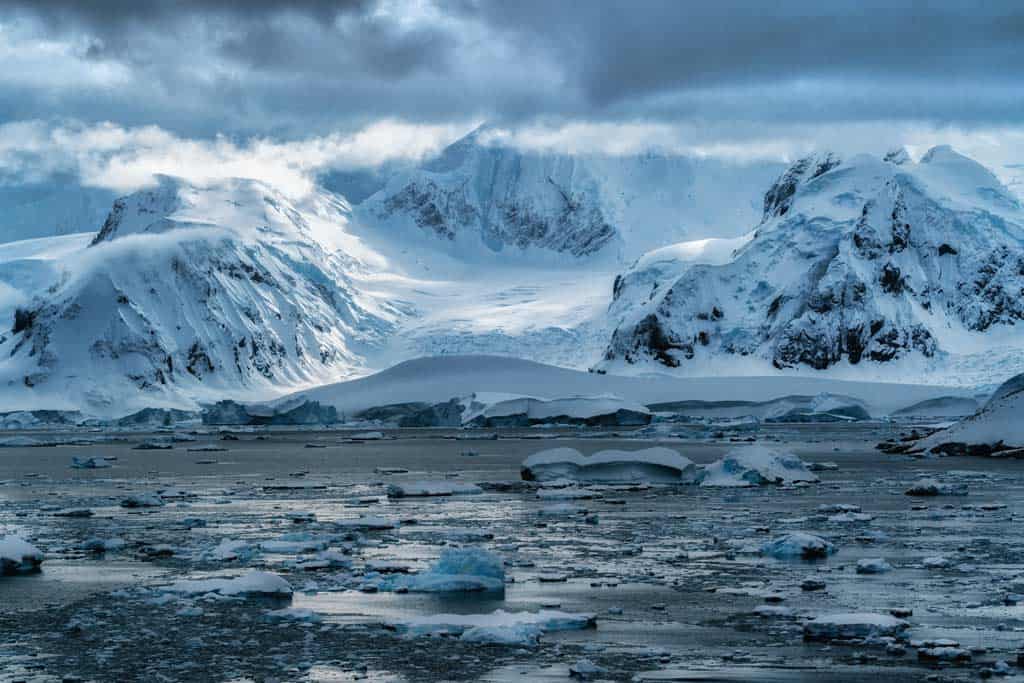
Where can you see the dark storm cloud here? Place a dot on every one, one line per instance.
(644, 47)
(200, 66)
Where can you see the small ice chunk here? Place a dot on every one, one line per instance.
(425, 489)
(875, 565)
(229, 550)
(367, 436)
(457, 570)
(367, 523)
(798, 545)
(944, 654)
(293, 614)
(103, 545)
(931, 487)
(501, 627)
(142, 500)
(18, 556)
(854, 625)
(937, 562)
(95, 463)
(584, 670)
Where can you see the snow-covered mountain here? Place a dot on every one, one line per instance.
(188, 292)
(855, 261)
(480, 194)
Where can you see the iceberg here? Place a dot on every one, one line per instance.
(654, 465)
(18, 556)
(756, 465)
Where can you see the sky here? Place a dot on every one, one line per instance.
(116, 90)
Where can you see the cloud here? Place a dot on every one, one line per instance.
(268, 67)
(124, 159)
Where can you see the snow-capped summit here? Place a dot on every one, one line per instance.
(484, 194)
(854, 260)
(189, 291)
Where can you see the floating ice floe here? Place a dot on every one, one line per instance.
(142, 500)
(426, 489)
(584, 670)
(367, 436)
(654, 465)
(498, 627)
(931, 487)
(229, 551)
(24, 442)
(854, 626)
(293, 614)
(567, 493)
(561, 510)
(756, 466)
(875, 565)
(936, 562)
(457, 570)
(367, 523)
(798, 545)
(18, 556)
(95, 463)
(103, 545)
(162, 444)
(294, 544)
(252, 583)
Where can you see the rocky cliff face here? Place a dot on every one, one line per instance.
(864, 260)
(480, 191)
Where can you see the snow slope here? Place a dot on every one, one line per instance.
(432, 380)
(187, 293)
(480, 195)
(1000, 422)
(855, 262)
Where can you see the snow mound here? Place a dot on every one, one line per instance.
(499, 627)
(254, 583)
(18, 556)
(457, 570)
(654, 465)
(425, 489)
(854, 626)
(998, 426)
(756, 465)
(142, 500)
(798, 545)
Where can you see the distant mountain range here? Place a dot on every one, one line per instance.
(185, 293)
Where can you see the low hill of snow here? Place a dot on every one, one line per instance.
(437, 379)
